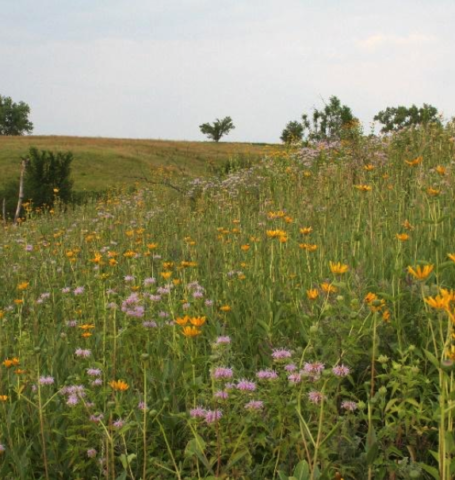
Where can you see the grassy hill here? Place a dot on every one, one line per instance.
(100, 163)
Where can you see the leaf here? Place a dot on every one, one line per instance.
(431, 470)
(372, 453)
(432, 358)
(302, 471)
(282, 475)
(236, 457)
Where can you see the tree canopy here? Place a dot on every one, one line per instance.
(14, 117)
(395, 118)
(219, 128)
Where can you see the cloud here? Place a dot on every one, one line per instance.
(377, 41)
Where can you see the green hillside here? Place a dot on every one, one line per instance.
(100, 163)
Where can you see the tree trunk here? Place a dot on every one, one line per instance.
(21, 189)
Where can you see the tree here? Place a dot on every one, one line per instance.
(292, 133)
(14, 117)
(47, 175)
(395, 118)
(218, 129)
(329, 123)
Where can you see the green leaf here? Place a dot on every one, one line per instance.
(236, 457)
(372, 453)
(282, 475)
(431, 470)
(432, 358)
(302, 471)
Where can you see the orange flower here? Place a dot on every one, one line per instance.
(3, 398)
(166, 275)
(245, 247)
(433, 192)
(308, 247)
(119, 385)
(386, 316)
(328, 287)
(191, 331)
(312, 294)
(440, 302)
(364, 188)
(403, 237)
(441, 170)
(87, 326)
(306, 230)
(451, 256)
(197, 321)
(225, 308)
(152, 246)
(415, 162)
(407, 225)
(182, 321)
(14, 362)
(338, 268)
(23, 286)
(86, 335)
(370, 297)
(276, 233)
(368, 167)
(421, 273)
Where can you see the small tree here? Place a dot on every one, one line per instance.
(329, 123)
(395, 118)
(218, 129)
(292, 133)
(14, 117)
(47, 174)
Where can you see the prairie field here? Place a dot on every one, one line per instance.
(288, 319)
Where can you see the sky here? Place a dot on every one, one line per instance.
(160, 68)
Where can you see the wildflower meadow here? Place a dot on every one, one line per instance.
(289, 319)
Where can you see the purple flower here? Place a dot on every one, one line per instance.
(66, 290)
(78, 290)
(281, 353)
(246, 386)
(118, 423)
(198, 412)
(186, 306)
(142, 406)
(80, 352)
(94, 372)
(72, 400)
(129, 278)
(149, 281)
(29, 248)
(212, 416)
(149, 324)
(341, 370)
(155, 298)
(97, 382)
(112, 306)
(96, 418)
(163, 291)
(267, 375)
(315, 397)
(91, 453)
(221, 394)
(295, 378)
(163, 314)
(209, 303)
(290, 367)
(71, 323)
(348, 405)
(224, 340)
(198, 294)
(314, 368)
(255, 405)
(46, 380)
(222, 372)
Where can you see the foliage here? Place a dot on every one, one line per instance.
(330, 123)
(296, 320)
(292, 133)
(14, 117)
(219, 128)
(48, 177)
(396, 118)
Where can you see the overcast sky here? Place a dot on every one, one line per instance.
(160, 68)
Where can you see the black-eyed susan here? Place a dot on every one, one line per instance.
(441, 170)
(312, 293)
(119, 385)
(328, 287)
(23, 286)
(191, 331)
(403, 237)
(197, 321)
(421, 273)
(225, 308)
(363, 188)
(415, 162)
(338, 268)
(306, 230)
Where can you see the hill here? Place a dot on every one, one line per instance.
(100, 163)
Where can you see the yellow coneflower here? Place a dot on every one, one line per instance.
(441, 170)
(328, 287)
(312, 294)
(86, 335)
(119, 385)
(386, 316)
(403, 237)
(225, 308)
(18, 301)
(168, 265)
(368, 167)
(338, 268)
(421, 273)
(19, 371)
(370, 297)
(439, 302)
(23, 286)
(3, 398)
(129, 254)
(176, 281)
(245, 247)
(306, 230)
(97, 258)
(276, 233)
(197, 321)
(87, 326)
(288, 219)
(191, 331)
(166, 275)
(152, 246)
(451, 256)
(363, 188)
(113, 262)
(415, 162)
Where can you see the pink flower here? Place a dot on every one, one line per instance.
(316, 397)
(281, 354)
(255, 405)
(246, 385)
(222, 372)
(212, 416)
(341, 370)
(198, 412)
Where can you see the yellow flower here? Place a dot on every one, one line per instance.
(441, 170)
(113, 262)
(421, 273)
(166, 275)
(433, 192)
(245, 247)
(451, 256)
(312, 294)
(18, 301)
(3, 398)
(168, 265)
(364, 188)
(273, 215)
(450, 352)
(306, 230)
(276, 233)
(176, 281)
(386, 316)
(407, 225)
(191, 331)
(56, 190)
(415, 162)
(328, 287)
(403, 237)
(97, 259)
(87, 326)
(370, 297)
(119, 385)
(23, 286)
(308, 247)
(182, 321)
(152, 246)
(197, 321)
(14, 362)
(129, 254)
(440, 302)
(338, 268)
(86, 335)
(368, 167)
(225, 308)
